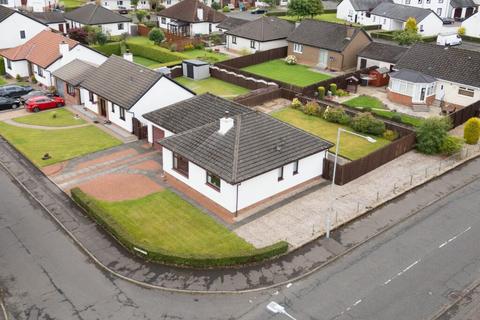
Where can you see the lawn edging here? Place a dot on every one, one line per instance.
(165, 257)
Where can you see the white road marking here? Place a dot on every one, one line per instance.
(402, 272)
(357, 302)
(410, 266)
(454, 237)
(388, 281)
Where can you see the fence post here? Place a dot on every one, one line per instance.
(411, 179)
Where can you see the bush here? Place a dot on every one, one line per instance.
(109, 48)
(188, 46)
(311, 108)
(156, 35)
(336, 115)
(216, 6)
(150, 24)
(333, 89)
(199, 46)
(158, 54)
(367, 123)
(226, 9)
(296, 104)
(471, 131)
(19, 79)
(291, 60)
(199, 261)
(33, 79)
(397, 118)
(390, 135)
(431, 133)
(321, 93)
(140, 14)
(2, 67)
(451, 145)
(461, 31)
(342, 93)
(216, 39)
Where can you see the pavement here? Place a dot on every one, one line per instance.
(115, 259)
(44, 274)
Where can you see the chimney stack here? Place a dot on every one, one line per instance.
(63, 48)
(226, 123)
(128, 56)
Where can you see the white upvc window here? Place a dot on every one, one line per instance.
(298, 48)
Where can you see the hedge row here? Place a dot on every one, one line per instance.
(110, 48)
(472, 39)
(158, 54)
(200, 261)
(372, 27)
(387, 35)
(2, 66)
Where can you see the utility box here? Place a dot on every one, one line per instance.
(196, 69)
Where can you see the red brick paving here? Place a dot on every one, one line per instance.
(118, 187)
(54, 168)
(149, 165)
(110, 157)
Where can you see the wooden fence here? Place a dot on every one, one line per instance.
(236, 79)
(259, 96)
(256, 58)
(143, 30)
(461, 116)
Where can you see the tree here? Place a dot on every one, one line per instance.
(407, 37)
(156, 35)
(140, 14)
(471, 131)
(431, 134)
(134, 3)
(304, 8)
(100, 38)
(411, 25)
(78, 34)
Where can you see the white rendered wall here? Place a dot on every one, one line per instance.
(11, 27)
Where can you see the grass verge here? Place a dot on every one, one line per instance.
(51, 118)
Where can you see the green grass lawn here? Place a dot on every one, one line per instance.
(61, 144)
(147, 62)
(204, 55)
(212, 85)
(298, 74)
(63, 118)
(72, 4)
(379, 109)
(329, 17)
(2, 81)
(351, 147)
(164, 221)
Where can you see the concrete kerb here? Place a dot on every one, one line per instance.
(2, 307)
(273, 286)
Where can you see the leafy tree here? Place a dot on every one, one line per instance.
(304, 8)
(156, 35)
(411, 25)
(431, 134)
(100, 38)
(78, 34)
(471, 131)
(140, 14)
(134, 3)
(216, 5)
(407, 37)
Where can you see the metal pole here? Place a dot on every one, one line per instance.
(337, 146)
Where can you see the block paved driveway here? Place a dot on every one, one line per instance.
(129, 171)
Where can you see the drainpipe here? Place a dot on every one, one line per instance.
(236, 202)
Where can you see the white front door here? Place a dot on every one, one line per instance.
(323, 59)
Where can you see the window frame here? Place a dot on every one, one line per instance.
(175, 161)
(297, 47)
(163, 20)
(9, 64)
(70, 90)
(280, 175)
(122, 114)
(467, 92)
(91, 98)
(210, 183)
(252, 44)
(113, 108)
(234, 39)
(295, 167)
(40, 71)
(120, 26)
(23, 34)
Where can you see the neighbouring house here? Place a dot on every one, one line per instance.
(358, 11)
(45, 53)
(435, 75)
(259, 35)
(121, 91)
(17, 27)
(226, 165)
(379, 54)
(54, 19)
(30, 5)
(188, 18)
(111, 23)
(230, 23)
(125, 4)
(472, 25)
(327, 45)
(69, 77)
(456, 9)
(392, 17)
(188, 114)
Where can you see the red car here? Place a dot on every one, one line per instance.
(38, 103)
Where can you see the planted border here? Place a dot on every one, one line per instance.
(165, 257)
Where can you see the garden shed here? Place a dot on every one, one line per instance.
(379, 77)
(196, 69)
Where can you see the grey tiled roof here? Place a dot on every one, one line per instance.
(366, 5)
(121, 81)
(194, 112)
(412, 76)
(92, 14)
(256, 144)
(186, 10)
(451, 64)
(321, 34)
(48, 17)
(463, 3)
(263, 29)
(74, 72)
(5, 12)
(401, 12)
(383, 52)
(230, 23)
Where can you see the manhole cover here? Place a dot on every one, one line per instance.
(454, 295)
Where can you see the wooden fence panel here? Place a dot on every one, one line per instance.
(256, 58)
(461, 116)
(259, 96)
(235, 79)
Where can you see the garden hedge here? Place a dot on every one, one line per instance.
(197, 261)
(155, 53)
(2, 67)
(372, 27)
(110, 48)
(472, 39)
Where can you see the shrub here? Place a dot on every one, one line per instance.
(471, 131)
(100, 38)
(109, 48)
(333, 89)
(199, 46)
(78, 34)
(311, 108)
(367, 123)
(226, 9)
(451, 145)
(367, 109)
(216, 6)
(296, 104)
(431, 133)
(140, 14)
(216, 39)
(156, 35)
(321, 93)
(291, 60)
(2, 67)
(342, 93)
(336, 115)
(461, 31)
(33, 79)
(390, 135)
(150, 24)
(188, 46)
(158, 54)
(19, 79)
(397, 118)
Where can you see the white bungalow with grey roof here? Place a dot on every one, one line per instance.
(232, 164)
(434, 75)
(121, 91)
(259, 35)
(456, 9)
(392, 17)
(358, 11)
(379, 54)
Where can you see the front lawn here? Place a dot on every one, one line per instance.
(163, 221)
(212, 85)
(2, 81)
(298, 74)
(351, 147)
(378, 108)
(60, 144)
(147, 62)
(51, 118)
(204, 55)
(72, 4)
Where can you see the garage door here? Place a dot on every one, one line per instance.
(157, 135)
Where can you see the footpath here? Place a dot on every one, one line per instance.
(110, 256)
